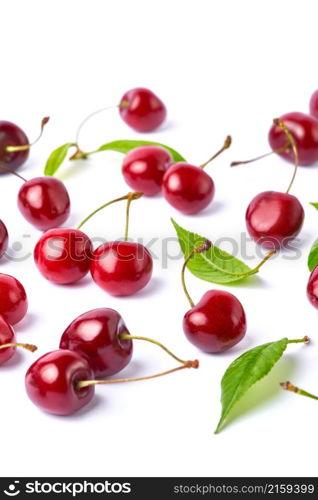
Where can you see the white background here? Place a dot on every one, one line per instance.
(221, 67)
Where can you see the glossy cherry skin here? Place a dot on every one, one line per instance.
(121, 267)
(142, 110)
(187, 188)
(312, 288)
(44, 202)
(144, 167)
(51, 382)
(13, 299)
(4, 238)
(216, 323)
(94, 335)
(12, 135)
(304, 129)
(7, 336)
(313, 105)
(274, 218)
(63, 255)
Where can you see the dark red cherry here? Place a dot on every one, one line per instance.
(312, 288)
(4, 238)
(7, 336)
(313, 105)
(94, 335)
(13, 299)
(121, 267)
(51, 382)
(142, 110)
(12, 135)
(63, 255)
(274, 218)
(187, 188)
(44, 202)
(144, 167)
(304, 129)
(216, 323)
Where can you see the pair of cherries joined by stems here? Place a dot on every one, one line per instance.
(13, 308)
(64, 256)
(188, 188)
(274, 218)
(96, 344)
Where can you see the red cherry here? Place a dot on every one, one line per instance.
(312, 288)
(13, 299)
(142, 110)
(304, 129)
(313, 105)
(121, 267)
(44, 202)
(216, 323)
(4, 238)
(94, 335)
(144, 167)
(63, 255)
(12, 135)
(274, 218)
(187, 188)
(7, 336)
(52, 382)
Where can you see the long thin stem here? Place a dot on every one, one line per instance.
(91, 115)
(7, 169)
(124, 336)
(131, 196)
(226, 145)
(28, 347)
(24, 147)
(86, 383)
(288, 386)
(204, 247)
(293, 146)
(278, 150)
(129, 200)
(304, 340)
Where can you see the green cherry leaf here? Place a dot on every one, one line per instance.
(124, 146)
(56, 158)
(245, 371)
(313, 256)
(314, 205)
(215, 265)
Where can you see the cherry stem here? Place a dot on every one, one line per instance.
(293, 146)
(91, 115)
(226, 145)
(86, 383)
(245, 162)
(305, 340)
(24, 147)
(7, 169)
(288, 386)
(125, 336)
(28, 347)
(204, 247)
(129, 196)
